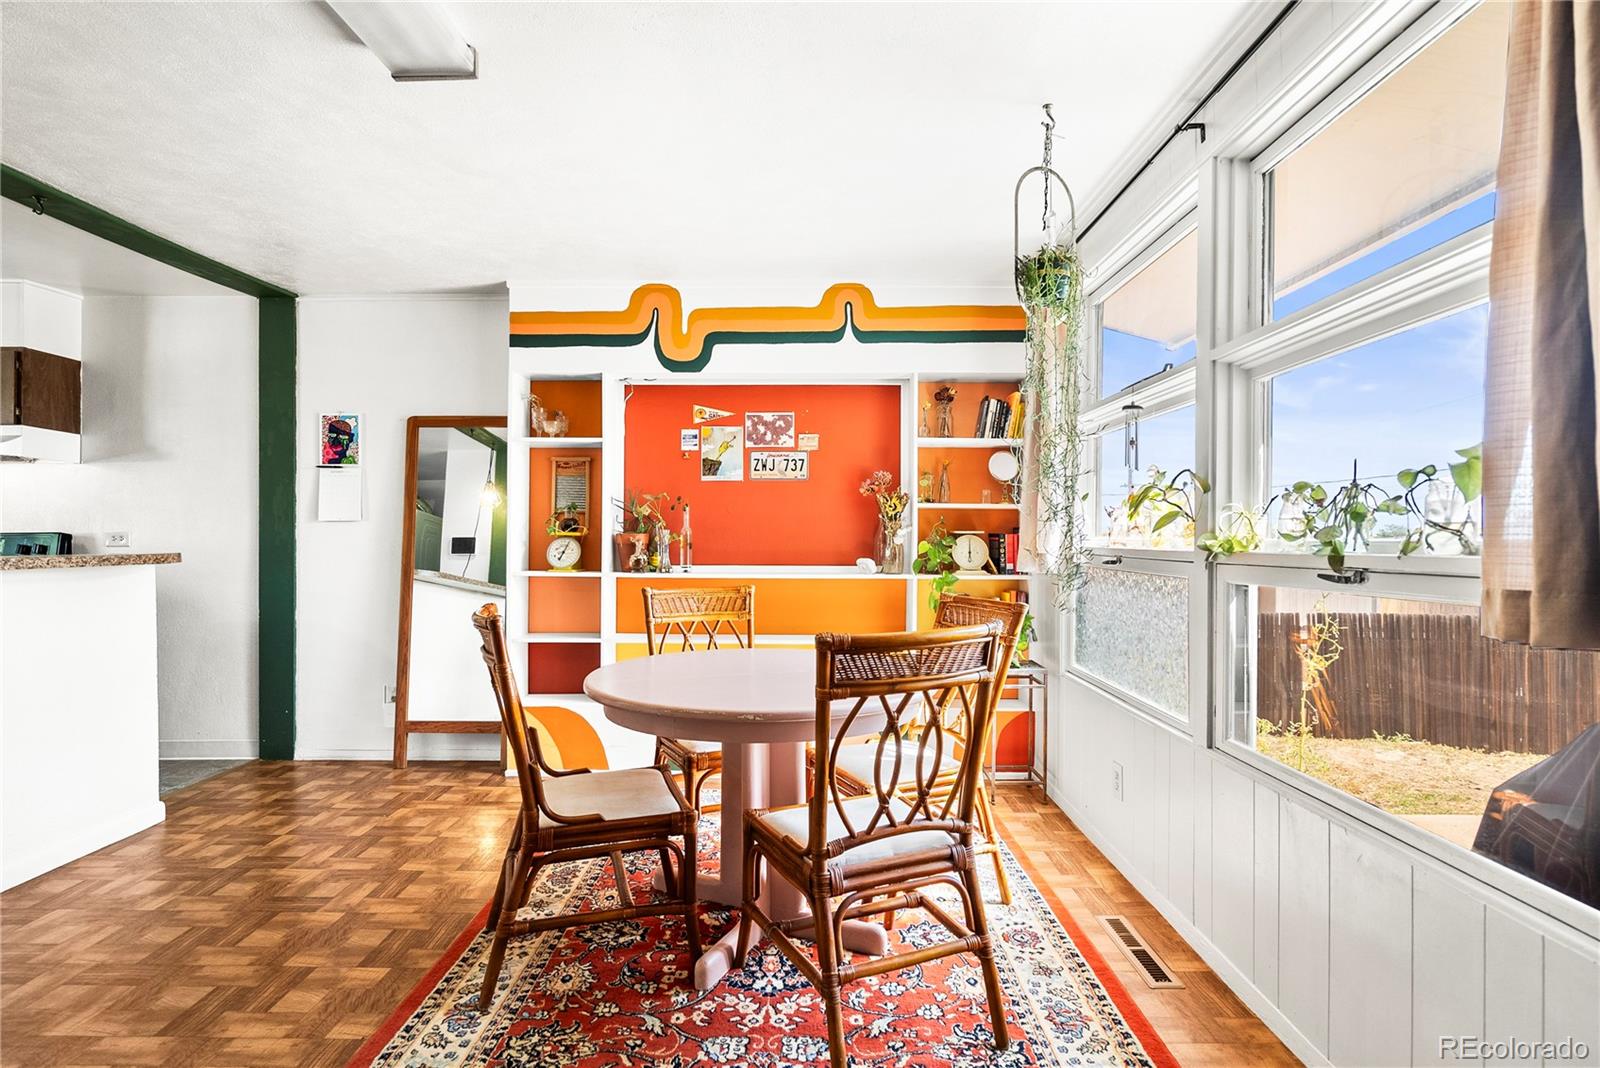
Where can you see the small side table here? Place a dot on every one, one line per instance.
(1028, 683)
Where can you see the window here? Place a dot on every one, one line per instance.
(1401, 703)
(1407, 167)
(1408, 400)
(1148, 322)
(1131, 631)
(1164, 442)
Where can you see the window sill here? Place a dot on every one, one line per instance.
(1141, 708)
(1383, 563)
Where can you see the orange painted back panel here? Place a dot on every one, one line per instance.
(541, 499)
(964, 412)
(822, 520)
(789, 606)
(563, 605)
(578, 398)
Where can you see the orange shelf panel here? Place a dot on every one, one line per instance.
(788, 606)
(567, 605)
(540, 490)
(964, 413)
(560, 667)
(578, 398)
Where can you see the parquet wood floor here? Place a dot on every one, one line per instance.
(284, 909)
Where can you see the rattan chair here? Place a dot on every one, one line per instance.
(579, 815)
(858, 765)
(866, 855)
(680, 620)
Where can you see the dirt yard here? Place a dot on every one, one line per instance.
(1401, 776)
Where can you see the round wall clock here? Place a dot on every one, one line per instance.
(563, 553)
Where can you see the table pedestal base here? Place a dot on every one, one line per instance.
(761, 775)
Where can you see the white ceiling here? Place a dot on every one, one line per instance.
(607, 142)
(45, 250)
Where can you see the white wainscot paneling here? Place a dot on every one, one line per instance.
(1303, 920)
(1233, 866)
(1447, 988)
(1266, 891)
(1369, 960)
(1514, 957)
(1572, 1000)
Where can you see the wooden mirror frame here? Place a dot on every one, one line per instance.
(404, 725)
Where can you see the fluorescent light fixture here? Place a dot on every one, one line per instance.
(417, 41)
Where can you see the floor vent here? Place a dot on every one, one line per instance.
(1152, 969)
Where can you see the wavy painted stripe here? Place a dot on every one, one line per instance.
(686, 345)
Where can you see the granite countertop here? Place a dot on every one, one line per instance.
(459, 582)
(46, 563)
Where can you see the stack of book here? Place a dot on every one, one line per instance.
(999, 418)
(1003, 549)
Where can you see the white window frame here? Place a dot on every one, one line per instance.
(1170, 232)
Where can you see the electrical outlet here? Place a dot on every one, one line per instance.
(388, 695)
(117, 539)
(1116, 780)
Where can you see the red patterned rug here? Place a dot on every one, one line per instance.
(619, 994)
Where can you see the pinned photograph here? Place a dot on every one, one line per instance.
(341, 440)
(721, 454)
(769, 430)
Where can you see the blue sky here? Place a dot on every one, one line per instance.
(1403, 401)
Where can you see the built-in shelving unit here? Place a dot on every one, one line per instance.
(567, 623)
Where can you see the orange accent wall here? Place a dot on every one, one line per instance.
(823, 520)
(540, 489)
(789, 606)
(560, 667)
(578, 398)
(569, 605)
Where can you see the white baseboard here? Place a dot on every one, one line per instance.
(63, 849)
(210, 748)
(453, 752)
(1226, 970)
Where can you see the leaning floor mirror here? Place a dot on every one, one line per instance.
(453, 561)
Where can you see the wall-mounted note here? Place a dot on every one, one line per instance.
(808, 442)
(338, 494)
(689, 440)
(780, 466)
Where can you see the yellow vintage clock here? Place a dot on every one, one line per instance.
(566, 540)
(971, 555)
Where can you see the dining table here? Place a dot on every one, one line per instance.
(761, 706)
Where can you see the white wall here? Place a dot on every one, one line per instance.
(388, 359)
(1356, 948)
(169, 456)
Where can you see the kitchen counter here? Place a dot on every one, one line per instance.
(76, 560)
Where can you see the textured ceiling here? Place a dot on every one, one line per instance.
(601, 143)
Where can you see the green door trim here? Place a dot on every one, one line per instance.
(275, 363)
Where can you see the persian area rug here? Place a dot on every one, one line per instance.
(614, 994)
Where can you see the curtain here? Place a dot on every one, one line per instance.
(1541, 453)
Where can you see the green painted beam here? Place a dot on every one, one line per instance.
(276, 359)
(275, 594)
(25, 189)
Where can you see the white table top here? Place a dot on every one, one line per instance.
(732, 695)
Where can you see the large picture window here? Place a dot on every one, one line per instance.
(1148, 322)
(1403, 704)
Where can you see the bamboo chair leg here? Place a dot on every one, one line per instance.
(828, 965)
(516, 893)
(619, 871)
(991, 974)
(686, 881)
(497, 902)
(669, 875)
(992, 833)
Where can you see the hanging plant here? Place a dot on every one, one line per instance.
(1049, 284)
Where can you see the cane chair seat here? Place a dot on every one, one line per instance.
(857, 764)
(694, 745)
(625, 794)
(790, 827)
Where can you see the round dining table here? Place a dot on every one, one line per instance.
(761, 705)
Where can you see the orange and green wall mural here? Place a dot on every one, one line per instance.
(686, 344)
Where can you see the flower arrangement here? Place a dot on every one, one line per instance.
(891, 502)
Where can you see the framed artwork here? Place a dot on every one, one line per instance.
(722, 454)
(339, 435)
(769, 430)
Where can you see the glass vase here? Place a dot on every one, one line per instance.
(888, 549)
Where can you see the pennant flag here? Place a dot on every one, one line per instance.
(702, 414)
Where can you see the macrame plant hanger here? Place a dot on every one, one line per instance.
(1048, 216)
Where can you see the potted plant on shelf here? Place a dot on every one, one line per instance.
(641, 514)
(1238, 531)
(1445, 507)
(1162, 502)
(935, 556)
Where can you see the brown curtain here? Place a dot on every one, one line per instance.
(1541, 453)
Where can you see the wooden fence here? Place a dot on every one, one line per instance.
(1436, 679)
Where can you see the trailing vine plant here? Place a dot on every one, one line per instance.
(1167, 500)
(1050, 282)
(936, 557)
